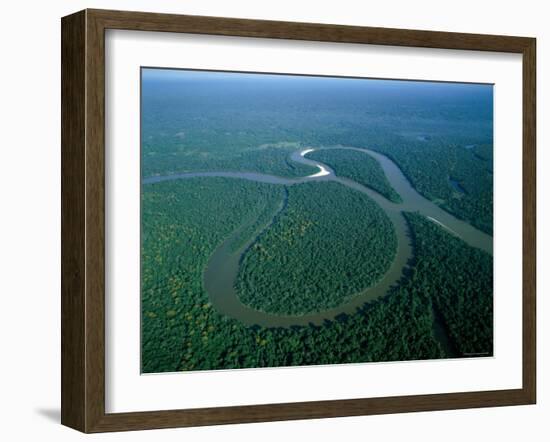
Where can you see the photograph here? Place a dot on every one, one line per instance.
(300, 220)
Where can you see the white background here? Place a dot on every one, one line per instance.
(29, 237)
(128, 391)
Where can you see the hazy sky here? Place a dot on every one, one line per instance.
(182, 74)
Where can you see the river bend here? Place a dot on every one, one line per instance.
(221, 271)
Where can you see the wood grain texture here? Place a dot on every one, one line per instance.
(529, 220)
(95, 222)
(73, 129)
(83, 220)
(144, 21)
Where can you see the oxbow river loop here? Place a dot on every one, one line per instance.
(221, 271)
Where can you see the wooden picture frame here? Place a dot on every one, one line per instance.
(83, 220)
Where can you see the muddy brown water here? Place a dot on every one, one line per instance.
(221, 271)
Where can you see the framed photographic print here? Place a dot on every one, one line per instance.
(270, 220)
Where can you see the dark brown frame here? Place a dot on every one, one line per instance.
(83, 216)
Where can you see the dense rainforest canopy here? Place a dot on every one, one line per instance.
(439, 134)
(311, 246)
(328, 244)
(448, 289)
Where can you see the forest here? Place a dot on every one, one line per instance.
(176, 244)
(447, 281)
(316, 256)
(358, 167)
(440, 135)
(433, 131)
(460, 285)
(432, 172)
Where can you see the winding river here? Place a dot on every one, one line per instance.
(221, 271)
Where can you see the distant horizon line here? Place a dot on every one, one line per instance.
(166, 71)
